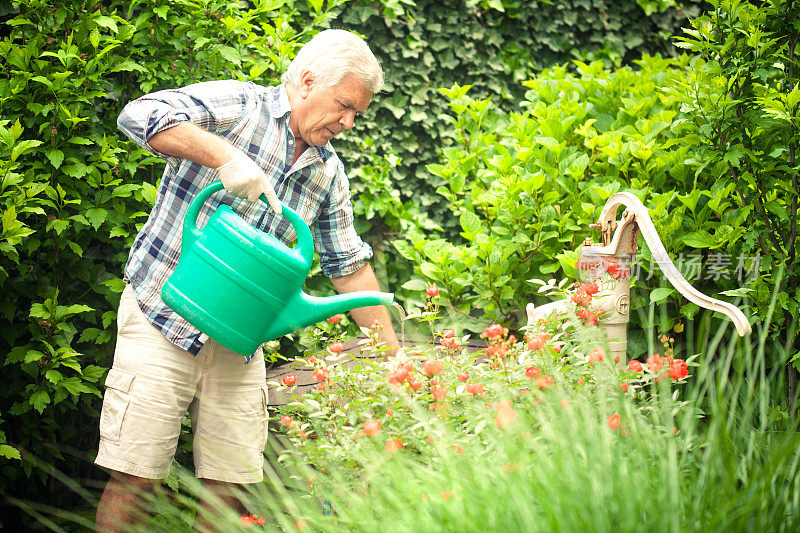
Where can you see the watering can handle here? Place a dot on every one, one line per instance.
(305, 244)
(659, 253)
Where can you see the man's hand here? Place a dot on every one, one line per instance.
(243, 178)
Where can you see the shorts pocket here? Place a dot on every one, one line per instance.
(127, 310)
(264, 415)
(115, 404)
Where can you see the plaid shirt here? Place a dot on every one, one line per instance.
(255, 119)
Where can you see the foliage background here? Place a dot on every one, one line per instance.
(73, 193)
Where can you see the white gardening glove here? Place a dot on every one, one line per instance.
(243, 178)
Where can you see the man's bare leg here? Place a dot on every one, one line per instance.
(217, 491)
(123, 504)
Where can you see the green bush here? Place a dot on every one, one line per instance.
(491, 45)
(526, 185)
(73, 194)
(707, 142)
(741, 97)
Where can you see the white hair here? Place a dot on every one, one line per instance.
(333, 54)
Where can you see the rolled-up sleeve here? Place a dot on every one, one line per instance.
(341, 250)
(215, 106)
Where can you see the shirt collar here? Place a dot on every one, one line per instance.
(281, 109)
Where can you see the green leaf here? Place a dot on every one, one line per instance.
(124, 191)
(470, 222)
(76, 249)
(74, 385)
(741, 291)
(115, 284)
(56, 157)
(161, 11)
(699, 239)
(316, 5)
(231, 55)
(111, 24)
(9, 452)
(76, 170)
(23, 147)
(93, 373)
(96, 216)
(39, 400)
(54, 376)
(660, 294)
(415, 284)
(405, 249)
(33, 355)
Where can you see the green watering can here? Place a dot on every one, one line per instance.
(243, 287)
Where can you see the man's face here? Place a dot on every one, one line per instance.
(323, 112)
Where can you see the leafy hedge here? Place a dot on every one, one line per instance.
(709, 143)
(493, 46)
(73, 194)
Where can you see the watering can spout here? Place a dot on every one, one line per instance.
(305, 310)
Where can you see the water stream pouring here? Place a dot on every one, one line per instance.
(243, 287)
(619, 243)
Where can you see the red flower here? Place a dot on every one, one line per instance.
(590, 288)
(439, 393)
(533, 372)
(393, 445)
(321, 374)
(582, 298)
(336, 347)
(371, 427)
(544, 382)
(536, 343)
(415, 385)
(401, 373)
(614, 421)
(286, 420)
(289, 380)
(432, 291)
(678, 369)
(432, 367)
(335, 319)
(596, 355)
(475, 389)
(458, 450)
(655, 362)
(624, 387)
(451, 342)
(504, 417)
(463, 376)
(494, 332)
(448, 334)
(635, 366)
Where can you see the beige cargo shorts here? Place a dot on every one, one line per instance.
(152, 385)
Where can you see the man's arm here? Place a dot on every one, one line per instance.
(364, 279)
(192, 142)
(239, 174)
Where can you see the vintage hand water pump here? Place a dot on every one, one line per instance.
(618, 242)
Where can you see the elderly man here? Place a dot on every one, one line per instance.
(270, 140)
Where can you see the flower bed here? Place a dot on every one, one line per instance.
(341, 406)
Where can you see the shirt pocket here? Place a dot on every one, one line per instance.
(116, 400)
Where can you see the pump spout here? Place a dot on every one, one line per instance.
(304, 310)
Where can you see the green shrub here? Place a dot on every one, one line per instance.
(73, 194)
